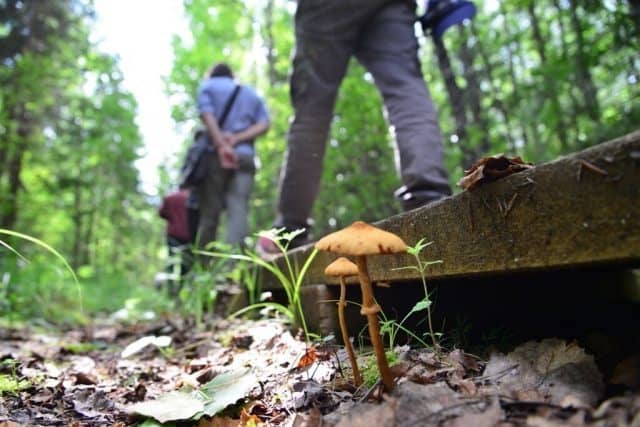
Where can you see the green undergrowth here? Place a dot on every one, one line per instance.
(370, 372)
(11, 385)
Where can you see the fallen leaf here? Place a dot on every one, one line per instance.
(551, 368)
(310, 356)
(491, 168)
(175, 405)
(226, 389)
(248, 420)
(489, 418)
(138, 345)
(627, 372)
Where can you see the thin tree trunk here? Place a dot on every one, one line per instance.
(565, 58)
(496, 101)
(516, 94)
(585, 80)
(634, 11)
(270, 43)
(473, 94)
(550, 90)
(456, 99)
(9, 214)
(77, 224)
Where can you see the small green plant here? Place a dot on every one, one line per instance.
(198, 293)
(426, 302)
(80, 348)
(370, 371)
(4, 286)
(391, 328)
(290, 277)
(10, 383)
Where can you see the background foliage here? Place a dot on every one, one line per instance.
(530, 78)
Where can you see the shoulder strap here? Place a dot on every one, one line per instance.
(228, 106)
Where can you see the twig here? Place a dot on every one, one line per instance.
(471, 223)
(369, 392)
(510, 204)
(592, 168)
(528, 181)
(497, 375)
(456, 406)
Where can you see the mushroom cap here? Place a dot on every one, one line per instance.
(361, 238)
(341, 267)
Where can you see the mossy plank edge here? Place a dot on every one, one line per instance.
(559, 214)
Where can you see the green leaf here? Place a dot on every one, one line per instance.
(226, 389)
(176, 405)
(421, 305)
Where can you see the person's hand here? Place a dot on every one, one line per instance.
(230, 138)
(227, 156)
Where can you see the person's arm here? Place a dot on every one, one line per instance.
(226, 155)
(250, 133)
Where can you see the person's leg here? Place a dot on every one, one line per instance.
(237, 203)
(325, 35)
(209, 194)
(388, 48)
(177, 249)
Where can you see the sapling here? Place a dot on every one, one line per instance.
(426, 302)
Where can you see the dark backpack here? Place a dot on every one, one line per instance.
(194, 169)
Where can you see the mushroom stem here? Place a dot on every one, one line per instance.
(370, 309)
(345, 335)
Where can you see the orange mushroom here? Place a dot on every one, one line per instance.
(342, 268)
(359, 240)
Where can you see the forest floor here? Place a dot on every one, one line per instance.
(252, 373)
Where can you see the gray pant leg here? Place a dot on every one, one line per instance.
(388, 48)
(210, 194)
(237, 205)
(324, 44)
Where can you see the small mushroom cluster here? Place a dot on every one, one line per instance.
(360, 240)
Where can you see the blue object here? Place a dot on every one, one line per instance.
(442, 14)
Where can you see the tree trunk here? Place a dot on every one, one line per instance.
(575, 106)
(585, 80)
(77, 224)
(22, 118)
(270, 43)
(473, 95)
(497, 103)
(634, 11)
(550, 90)
(456, 99)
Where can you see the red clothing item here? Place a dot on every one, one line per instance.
(174, 211)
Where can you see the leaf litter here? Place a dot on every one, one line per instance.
(256, 373)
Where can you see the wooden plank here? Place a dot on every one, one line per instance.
(581, 209)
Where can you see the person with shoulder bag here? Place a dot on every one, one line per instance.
(233, 116)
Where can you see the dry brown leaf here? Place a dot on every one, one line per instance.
(310, 356)
(248, 420)
(627, 372)
(491, 168)
(312, 419)
(552, 367)
(219, 422)
(489, 418)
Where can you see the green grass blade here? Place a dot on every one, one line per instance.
(18, 254)
(51, 250)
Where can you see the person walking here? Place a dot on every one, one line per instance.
(381, 36)
(175, 212)
(233, 116)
